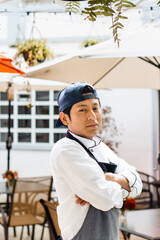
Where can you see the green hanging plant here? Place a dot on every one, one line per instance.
(72, 6)
(112, 8)
(97, 8)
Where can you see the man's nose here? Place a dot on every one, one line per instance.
(91, 115)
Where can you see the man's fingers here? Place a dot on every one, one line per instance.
(81, 201)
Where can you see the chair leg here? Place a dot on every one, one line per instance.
(42, 232)
(33, 230)
(50, 234)
(6, 232)
(21, 233)
(128, 235)
(28, 230)
(124, 235)
(14, 231)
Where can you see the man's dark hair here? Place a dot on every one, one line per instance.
(86, 89)
(67, 111)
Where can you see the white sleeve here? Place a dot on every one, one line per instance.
(129, 172)
(134, 182)
(87, 180)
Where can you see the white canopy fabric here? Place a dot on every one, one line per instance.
(20, 83)
(105, 66)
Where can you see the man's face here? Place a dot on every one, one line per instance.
(85, 118)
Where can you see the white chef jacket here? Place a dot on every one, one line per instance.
(75, 172)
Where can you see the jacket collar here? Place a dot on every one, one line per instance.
(89, 143)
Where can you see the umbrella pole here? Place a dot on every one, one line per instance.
(9, 137)
(159, 134)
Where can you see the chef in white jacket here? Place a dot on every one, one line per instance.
(90, 179)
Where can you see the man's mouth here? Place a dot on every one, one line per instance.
(94, 125)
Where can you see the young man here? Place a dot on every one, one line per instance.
(90, 180)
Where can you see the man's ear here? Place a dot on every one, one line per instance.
(64, 118)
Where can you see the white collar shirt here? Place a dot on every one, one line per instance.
(75, 172)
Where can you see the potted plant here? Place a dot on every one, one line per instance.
(33, 51)
(128, 204)
(89, 42)
(10, 176)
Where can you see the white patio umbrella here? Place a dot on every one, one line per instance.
(105, 66)
(136, 64)
(20, 83)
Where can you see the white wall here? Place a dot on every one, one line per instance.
(133, 112)
(26, 163)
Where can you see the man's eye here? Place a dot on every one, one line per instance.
(82, 110)
(95, 109)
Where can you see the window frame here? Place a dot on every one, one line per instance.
(33, 117)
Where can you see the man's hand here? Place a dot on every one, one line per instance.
(81, 201)
(118, 179)
(110, 176)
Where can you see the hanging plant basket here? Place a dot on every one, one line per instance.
(34, 52)
(26, 58)
(89, 42)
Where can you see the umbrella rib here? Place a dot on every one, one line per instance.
(157, 61)
(108, 71)
(146, 59)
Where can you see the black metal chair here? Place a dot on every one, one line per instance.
(25, 208)
(145, 200)
(51, 218)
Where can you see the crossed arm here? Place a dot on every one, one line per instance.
(121, 180)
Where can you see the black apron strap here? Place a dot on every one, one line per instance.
(106, 167)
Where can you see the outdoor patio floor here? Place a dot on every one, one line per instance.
(38, 231)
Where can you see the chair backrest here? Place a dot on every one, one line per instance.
(51, 217)
(25, 206)
(145, 200)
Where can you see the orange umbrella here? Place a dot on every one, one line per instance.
(7, 67)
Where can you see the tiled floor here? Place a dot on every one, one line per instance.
(131, 238)
(38, 231)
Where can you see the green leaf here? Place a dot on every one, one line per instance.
(96, 7)
(95, 2)
(123, 17)
(118, 24)
(114, 1)
(107, 14)
(107, 9)
(127, 5)
(91, 18)
(72, 7)
(128, 2)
